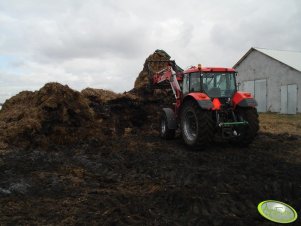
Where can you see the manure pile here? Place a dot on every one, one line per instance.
(58, 115)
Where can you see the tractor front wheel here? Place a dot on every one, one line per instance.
(197, 126)
(165, 132)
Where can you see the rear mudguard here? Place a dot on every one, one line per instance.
(244, 99)
(202, 99)
(171, 118)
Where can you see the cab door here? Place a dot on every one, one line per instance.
(185, 84)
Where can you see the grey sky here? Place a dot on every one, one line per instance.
(103, 43)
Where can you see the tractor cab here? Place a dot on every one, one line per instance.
(215, 82)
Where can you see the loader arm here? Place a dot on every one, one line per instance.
(170, 75)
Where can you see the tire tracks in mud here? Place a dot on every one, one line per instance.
(141, 180)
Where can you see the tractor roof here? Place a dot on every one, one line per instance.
(208, 69)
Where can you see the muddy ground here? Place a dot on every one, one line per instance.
(139, 179)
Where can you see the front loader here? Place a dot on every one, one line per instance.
(207, 105)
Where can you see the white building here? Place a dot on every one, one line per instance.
(273, 77)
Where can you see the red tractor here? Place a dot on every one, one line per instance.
(207, 105)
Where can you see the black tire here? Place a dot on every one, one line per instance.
(165, 132)
(197, 125)
(249, 132)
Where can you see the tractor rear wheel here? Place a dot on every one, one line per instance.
(249, 132)
(197, 126)
(165, 132)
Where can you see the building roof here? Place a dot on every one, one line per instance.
(290, 58)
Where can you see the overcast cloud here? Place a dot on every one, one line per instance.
(103, 43)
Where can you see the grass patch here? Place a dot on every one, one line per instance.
(277, 123)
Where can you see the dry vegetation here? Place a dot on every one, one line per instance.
(277, 123)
